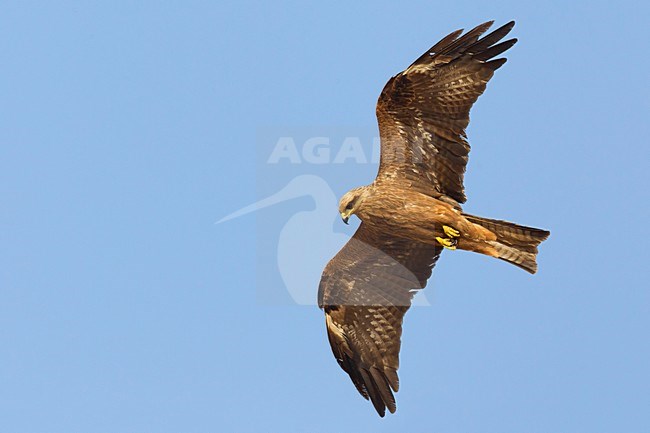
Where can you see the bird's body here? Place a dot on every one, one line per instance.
(410, 214)
(413, 209)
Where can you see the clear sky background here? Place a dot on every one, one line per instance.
(128, 128)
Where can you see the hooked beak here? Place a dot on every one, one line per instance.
(345, 218)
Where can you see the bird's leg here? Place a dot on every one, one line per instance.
(447, 243)
(450, 242)
(450, 232)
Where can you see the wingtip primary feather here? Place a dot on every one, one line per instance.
(383, 387)
(393, 379)
(490, 39)
(373, 392)
(496, 64)
(495, 50)
(456, 43)
(481, 28)
(445, 41)
(466, 40)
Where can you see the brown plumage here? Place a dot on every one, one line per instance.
(412, 209)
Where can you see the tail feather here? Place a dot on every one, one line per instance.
(514, 244)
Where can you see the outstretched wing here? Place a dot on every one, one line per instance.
(424, 110)
(365, 291)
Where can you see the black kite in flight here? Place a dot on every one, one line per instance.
(412, 209)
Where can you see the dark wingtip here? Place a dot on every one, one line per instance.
(486, 25)
(486, 44)
(495, 50)
(374, 386)
(496, 64)
(393, 379)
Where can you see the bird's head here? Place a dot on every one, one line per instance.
(351, 202)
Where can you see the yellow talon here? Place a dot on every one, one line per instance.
(447, 243)
(452, 233)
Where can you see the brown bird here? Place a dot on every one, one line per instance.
(412, 209)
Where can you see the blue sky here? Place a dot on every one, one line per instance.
(128, 128)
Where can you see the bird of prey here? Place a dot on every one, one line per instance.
(412, 210)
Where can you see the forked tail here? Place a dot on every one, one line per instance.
(515, 244)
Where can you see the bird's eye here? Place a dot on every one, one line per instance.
(349, 206)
